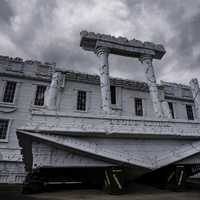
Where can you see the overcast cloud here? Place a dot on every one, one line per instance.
(49, 30)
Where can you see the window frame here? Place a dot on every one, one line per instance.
(3, 82)
(135, 107)
(4, 91)
(86, 100)
(118, 106)
(8, 129)
(35, 95)
(171, 111)
(189, 105)
(113, 94)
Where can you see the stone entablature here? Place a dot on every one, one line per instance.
(79, 124)
(121, 45)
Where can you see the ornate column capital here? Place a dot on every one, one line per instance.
(194, 82)
(56, 79)
(101, 50)
(146, 59)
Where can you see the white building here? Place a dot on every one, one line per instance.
(69, 119)
(20, 83)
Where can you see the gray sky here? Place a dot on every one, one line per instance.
(49, 30)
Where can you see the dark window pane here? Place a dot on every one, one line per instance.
(113, 94)
(171, 108)
(39, 97)
(9, 92)
(138, 107)
(189, 112)
(3, 128)
(81, 100)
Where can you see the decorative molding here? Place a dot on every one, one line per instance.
(9, 155)
(7, 108)
(78, 123)
(44, 70)
(19, 68)
(189, 100)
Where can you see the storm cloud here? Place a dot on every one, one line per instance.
(49, 31)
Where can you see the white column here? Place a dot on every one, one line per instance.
(53, 91)
(196, 95)
(151, 81)
(103, 54)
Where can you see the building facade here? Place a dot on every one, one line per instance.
(23, 86)
(69, 119)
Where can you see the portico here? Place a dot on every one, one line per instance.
(103, 45)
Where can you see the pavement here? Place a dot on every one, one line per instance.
(136, 192)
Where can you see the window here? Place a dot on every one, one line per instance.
(81, 100)
(171, 108)
(138, 107)
(9, 92)
(113, 94)
(39, 97)
(189, 112)
(3, 128)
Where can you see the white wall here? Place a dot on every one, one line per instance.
(34, 74)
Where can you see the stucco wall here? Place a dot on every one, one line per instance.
(29, 74)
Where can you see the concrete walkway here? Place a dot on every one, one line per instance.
(137, 192)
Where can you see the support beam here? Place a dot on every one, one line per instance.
(151, 81)
(113, 181)
(196, 95)
(103, 54)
